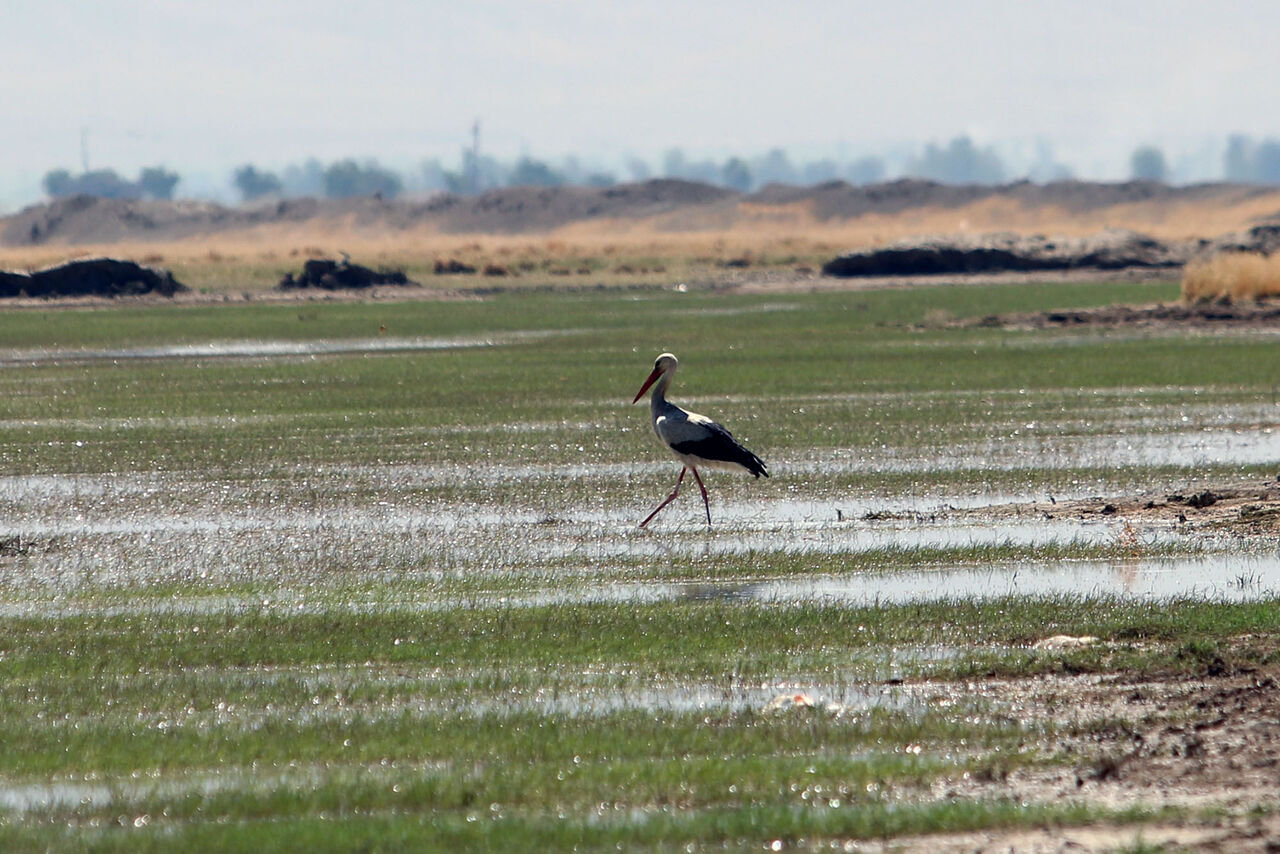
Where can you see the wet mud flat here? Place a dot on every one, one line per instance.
(1244, 508)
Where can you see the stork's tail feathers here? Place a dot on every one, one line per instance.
(752, 463)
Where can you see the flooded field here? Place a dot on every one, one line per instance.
(71, 533)
(557, 524)
(402, 575)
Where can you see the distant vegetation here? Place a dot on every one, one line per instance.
(1147, 164)
(959, 161)
(153, 182)
(347, 178)
(253, 184)
(1252, 162)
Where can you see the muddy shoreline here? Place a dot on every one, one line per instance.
(1245, 507)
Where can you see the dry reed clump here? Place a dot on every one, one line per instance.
(1232, 275)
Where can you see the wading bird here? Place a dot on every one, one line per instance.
(694, 438)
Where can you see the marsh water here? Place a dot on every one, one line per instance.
(81, 532)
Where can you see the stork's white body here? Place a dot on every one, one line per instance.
(678, 428)
(695, 439)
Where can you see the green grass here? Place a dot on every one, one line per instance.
(658, 829)
(350, 679)
(360, 715)
(895, 386)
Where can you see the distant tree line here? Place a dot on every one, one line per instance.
(1250, 162)
(959, 161)
(1147, 164)
(153, 182)
(343, 179)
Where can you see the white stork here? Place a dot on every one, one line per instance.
(694, 438)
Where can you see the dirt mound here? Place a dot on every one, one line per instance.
(1264, 238)
(108, 277)
(839, 200)
(1081, 196)
(1112, 250)
(87, 219)
(517, 209)
(666, 204)
(330, 275)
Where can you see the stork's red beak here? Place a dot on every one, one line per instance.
(653, 376)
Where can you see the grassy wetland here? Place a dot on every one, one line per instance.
(366, 575)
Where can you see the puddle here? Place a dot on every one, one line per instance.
(1216, 577)
(266, 349)
(1031, 451)
(60, 797)
(1212, 577)
(1193, 448)
(845, 700)
(54, 796)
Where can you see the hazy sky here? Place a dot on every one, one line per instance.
(203, 86)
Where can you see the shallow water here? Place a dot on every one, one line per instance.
(266, 348)
(53, 796)
(321, 522)
(100, 540)
(1218, 577)
(1034, 450)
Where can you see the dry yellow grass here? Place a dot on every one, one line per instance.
(1237, 275)
(606, 253)
(676, 246)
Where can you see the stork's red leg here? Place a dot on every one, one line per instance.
(705, 502)
(671, 497)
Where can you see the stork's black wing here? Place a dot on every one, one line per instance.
(718, 444)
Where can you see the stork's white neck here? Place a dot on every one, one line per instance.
(658, 400)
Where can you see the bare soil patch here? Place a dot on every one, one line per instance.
(1204, 745)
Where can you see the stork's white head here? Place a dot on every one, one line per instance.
(664, 364)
